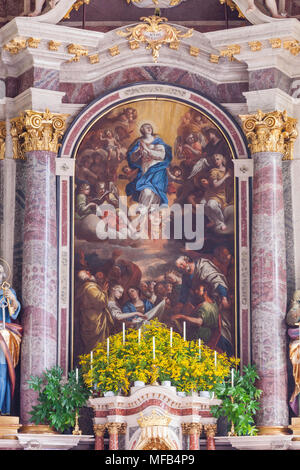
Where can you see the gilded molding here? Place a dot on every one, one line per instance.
(255, 46)
(16, 129)
(78, 52)
(33, 42)
(154, 32)
(15, 45)
(42, 130)
(270, 132)
(275, 43)
(114, 51)
(2, 139)
(293, 46)
(94, 59)
(54, 45)
(230, 51)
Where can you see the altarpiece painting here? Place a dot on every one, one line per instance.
(154, 225)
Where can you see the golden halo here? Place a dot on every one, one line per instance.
(7, 269)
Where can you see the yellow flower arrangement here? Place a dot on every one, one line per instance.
(188, 366)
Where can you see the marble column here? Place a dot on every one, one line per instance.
(114, 429)
(39, 272)
(210, 432)
(268, 135)
(193, 430)
(99, 430)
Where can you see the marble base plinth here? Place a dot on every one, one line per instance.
(52, 441)
(9, 426)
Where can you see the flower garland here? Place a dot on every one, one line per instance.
(189, 365)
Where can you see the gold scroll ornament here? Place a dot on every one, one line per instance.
(270, 132)
(154, 32)
(42, 130)
(76, 5)
(2, 139)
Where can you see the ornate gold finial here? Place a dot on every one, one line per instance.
(16, 129)
(15, 45)
(154, 419)
(154, 32)
(78, 52)
(231, 51)
(2, 139)
(270, 132)
(42, 130)
(76, 5)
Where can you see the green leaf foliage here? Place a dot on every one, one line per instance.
(58, 398)
(240, 402)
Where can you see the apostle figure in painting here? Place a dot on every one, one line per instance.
(212, 328)
(96, 322)
(293, 320)
(151, 156)
(115, 294)
(10, 340)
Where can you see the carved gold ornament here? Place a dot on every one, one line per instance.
(114, 51)
(99, 429)
(54, 45)
(293, 46)
(78, 52)
(275, 43)
(2, 139)
(210, 430)
(154, 419)
(15, 45)
(16, 129)
(94, 59)
(255, 46)
(270, 132)
(33, 42)
(76, 5)
(231, 51)
(116, 428)
(42, 130)
(154, 32)
(191, 428)
(233, 6)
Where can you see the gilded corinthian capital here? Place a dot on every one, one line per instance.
(42, 130)
(270, 132)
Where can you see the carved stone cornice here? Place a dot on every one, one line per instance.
(42, 130)
(210, 430)
(191, 428)
(116, 428)
(2, 139)
(270, 132)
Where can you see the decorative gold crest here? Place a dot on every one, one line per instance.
(154, 32)
(78, 52)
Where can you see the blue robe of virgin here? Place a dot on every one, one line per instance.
(155, 178)
(5, 378)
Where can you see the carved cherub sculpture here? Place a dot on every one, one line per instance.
(293, 319)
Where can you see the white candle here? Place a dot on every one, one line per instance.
(91, 359)
(139, 340)
(76, 372)
(107, 348)
(215, 359)
(123, 333)
(232, 378)
(199, 348)
(184, 330)
(153, 346)
(171, 336)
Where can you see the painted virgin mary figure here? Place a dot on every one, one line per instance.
(151, 156)
(10, 340)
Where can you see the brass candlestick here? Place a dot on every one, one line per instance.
(232, 430)
(76, 431)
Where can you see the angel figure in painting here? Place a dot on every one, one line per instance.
(293, 320)
(10, 340)
(151, 156)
